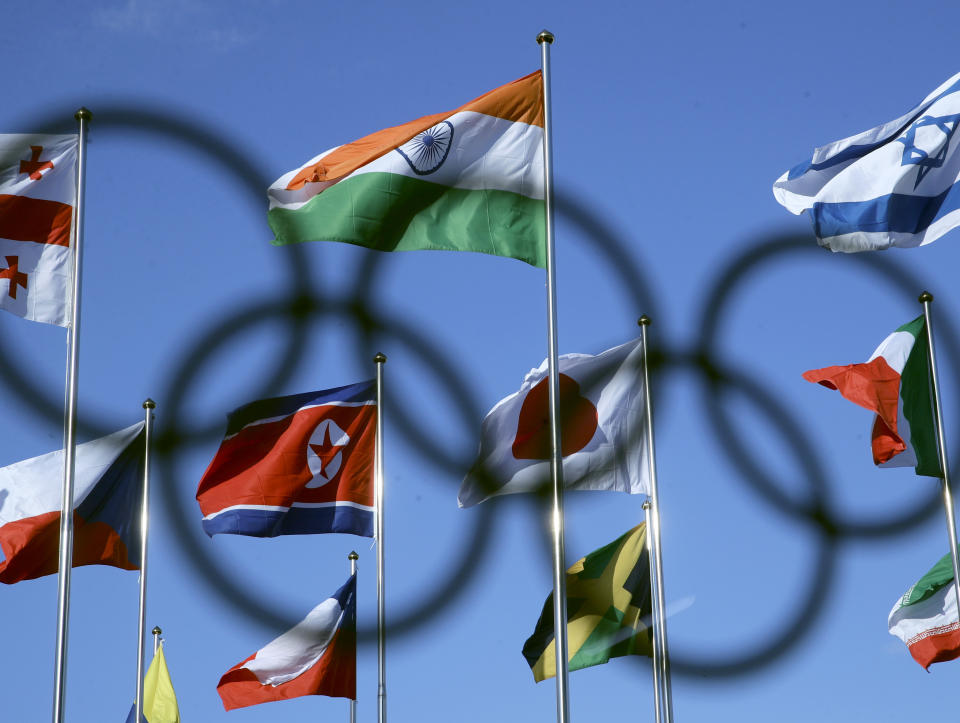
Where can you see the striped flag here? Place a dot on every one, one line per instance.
(925, 618)
(37, 197)
(894, 383)
(295, 465)
(894, 185)
(465, 180)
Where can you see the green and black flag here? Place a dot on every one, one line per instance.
(608, 608)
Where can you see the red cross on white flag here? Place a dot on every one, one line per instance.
(37, 198)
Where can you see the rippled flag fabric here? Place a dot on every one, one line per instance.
(107, 497)
(893, 185)
(602, 423)
(37, 196)
(470, 179)
(925, 618)
(895, 384)
(159, 699)
(608, 609)
(295, 465)
(316, 657)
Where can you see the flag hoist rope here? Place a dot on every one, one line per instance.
(545, 39)
(380, 360)
(664, 697)
(82, 117)
(925, 299)
(148, 406)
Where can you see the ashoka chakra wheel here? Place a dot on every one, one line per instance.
(427, 150)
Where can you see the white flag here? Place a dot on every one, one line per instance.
(37, 199)
(603, 436)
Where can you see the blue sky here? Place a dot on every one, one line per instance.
(671, 123)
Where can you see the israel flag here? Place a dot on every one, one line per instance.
(895, 185)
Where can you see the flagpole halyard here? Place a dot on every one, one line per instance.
(926, 298)
(148, 406)
(655, 649)
(82, 117)
(353, 557)
(659, 608)
(380, 359)
(545, 40)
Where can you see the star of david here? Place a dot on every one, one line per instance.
(920, 155)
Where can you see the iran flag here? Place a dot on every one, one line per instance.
(894, 383)
(925, 618)
(603, 435)
(316, 657)
(37, 198)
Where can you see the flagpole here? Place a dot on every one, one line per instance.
(545, 39)
(157, 632)
(148, 405)
(925, 298)
(353, 557)
(657, 683)
(82, 117)
(660, 619)
(380, 360)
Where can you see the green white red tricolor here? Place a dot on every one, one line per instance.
(464, 180)
(894, 383)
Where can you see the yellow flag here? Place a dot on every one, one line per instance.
(159, 700)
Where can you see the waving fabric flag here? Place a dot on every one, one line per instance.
(295, 465)
(37, 196)
(603, 437)
(894, 383)
(466, 180)
(925, 618)
(893, 185)
(608, 608)
(159, 698)
(107, 499)
(317, 657)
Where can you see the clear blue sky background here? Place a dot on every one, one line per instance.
(672, 120)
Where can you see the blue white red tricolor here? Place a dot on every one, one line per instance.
(316, 657)
(295, 465)
(107, 499)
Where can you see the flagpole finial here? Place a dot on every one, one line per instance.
(644, 321)
(156, 630)
(380, 358)
(545, 36)
(353, 555)
(148, 403)
(83, 114)
(926, 297)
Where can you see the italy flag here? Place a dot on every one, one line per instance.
(465, 180)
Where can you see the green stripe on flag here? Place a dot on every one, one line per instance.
(392, 212)
(939, 575)
(915, 392)
(611, 639)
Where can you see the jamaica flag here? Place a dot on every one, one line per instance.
(608, 608)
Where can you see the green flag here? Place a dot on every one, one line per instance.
(608, 608)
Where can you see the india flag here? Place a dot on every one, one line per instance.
(466, 180)
(894, 383)
(925, 618)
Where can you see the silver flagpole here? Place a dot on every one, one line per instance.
(149, 405)
(655, 649)
(353, 557)
(157, 632)
(925, 298)
(82, 117)
(380, 360)
(545, 39)
(660, 620)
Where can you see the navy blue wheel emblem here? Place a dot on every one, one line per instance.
(427, 150)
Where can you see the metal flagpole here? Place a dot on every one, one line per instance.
(149, 405)
(660, 619)
(157, 632)
(655, 649)
(925, 298)
(353, 557)
(380, 360)
(545, 39)
(82, 117)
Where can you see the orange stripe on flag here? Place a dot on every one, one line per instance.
(35, 219)
(520, 101)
